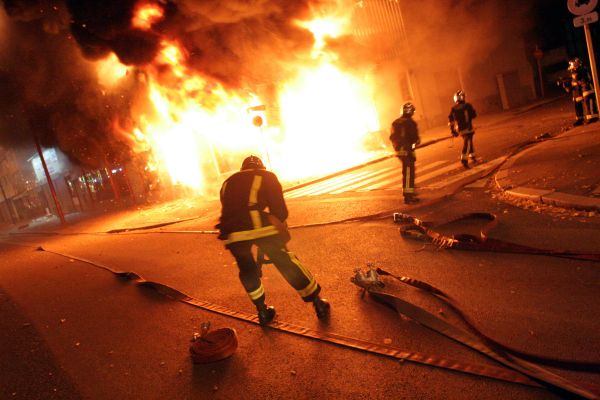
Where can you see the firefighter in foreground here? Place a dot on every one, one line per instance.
(244, 223)
(405, 137)
(460, 121)
(582, 92)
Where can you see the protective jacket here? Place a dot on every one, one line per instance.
(245, 196)
(461, 119)
(404, 135)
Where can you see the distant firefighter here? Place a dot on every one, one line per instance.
(582, 92)
(245, 223)
(460, 121)
(405, 137)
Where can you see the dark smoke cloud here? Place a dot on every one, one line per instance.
(49, 87)
(49, 90)
(462, 31)
(235, 42)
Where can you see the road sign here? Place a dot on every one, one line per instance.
(585, 19)
(581, 7)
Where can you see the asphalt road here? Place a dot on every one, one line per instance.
(72, 330)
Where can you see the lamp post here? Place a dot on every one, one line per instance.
(59, 210)
(538, 54)
(12, 218)
(257, 121)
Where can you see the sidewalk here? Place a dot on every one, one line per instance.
(562, 171)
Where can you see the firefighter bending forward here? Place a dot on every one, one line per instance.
(460, 121)
(244, 223)
(404, 138)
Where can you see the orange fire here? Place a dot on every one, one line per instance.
(146, 15)
(198, 132)
(110, 70)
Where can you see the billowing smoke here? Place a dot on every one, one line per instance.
(462, 32)
(48, 47)
(49, 86)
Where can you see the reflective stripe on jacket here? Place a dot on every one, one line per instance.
(245, 197)
(461, 116)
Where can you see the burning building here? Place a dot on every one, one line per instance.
(178, 92)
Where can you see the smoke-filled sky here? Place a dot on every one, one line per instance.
(47, 78)
(47, 48)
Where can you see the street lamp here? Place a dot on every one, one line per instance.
(258, 122)
(538, 54)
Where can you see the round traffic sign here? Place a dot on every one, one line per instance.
(581, 7)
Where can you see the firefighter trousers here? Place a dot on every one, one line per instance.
(298, 276)
(578, 103)
(408, 175)
(468, 150)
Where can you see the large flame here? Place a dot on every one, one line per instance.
(145, 15)
(197, 132)
(110, 70)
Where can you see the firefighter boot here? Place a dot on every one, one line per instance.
(322, 308)
(265, 313)
(465, 163)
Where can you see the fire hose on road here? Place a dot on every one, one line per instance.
(414, 228)
(521, 375)
(518, 361)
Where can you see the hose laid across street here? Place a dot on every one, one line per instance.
(371, 282)
(488, 371)
(414, 228)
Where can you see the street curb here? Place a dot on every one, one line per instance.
(542, 196)
(551, 197)
(572, 201)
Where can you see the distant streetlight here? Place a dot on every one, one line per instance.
(258, 121)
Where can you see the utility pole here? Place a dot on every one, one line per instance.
(538, 54)
(59, 210)
(590, 49)
(12, 218)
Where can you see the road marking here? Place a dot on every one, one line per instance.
(396, 181)
(324, 187)
(390, 178)
(478, 184)
(385, 174)
(469, 172)
(421, 178)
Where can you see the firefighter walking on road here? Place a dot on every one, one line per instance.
(245, 223)
(405, 137)
(582, 92)
(460, 121)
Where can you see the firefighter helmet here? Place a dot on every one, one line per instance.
(574, 64)
(252, 162)
(408, 109)
(459, 97)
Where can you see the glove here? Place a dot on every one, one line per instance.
(452, 129)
